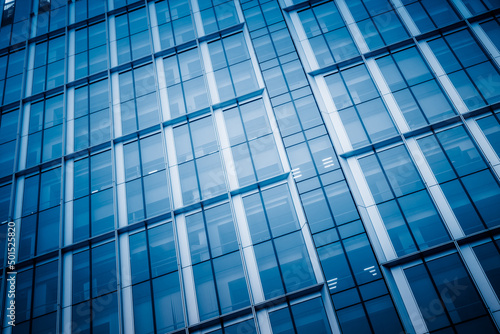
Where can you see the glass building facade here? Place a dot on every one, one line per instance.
(250, 166)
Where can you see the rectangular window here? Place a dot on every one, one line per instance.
(464, 177)
(455, 309)
(217, 15)
(233, 69)
(139, 101)
(200, 165)
(466, 63)
(132, 35)
(411, 226)
(174, 23)
(327, 34)
(369, 120)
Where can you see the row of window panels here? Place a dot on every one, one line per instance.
(90, 55)
(415, 89)
(211, 234)
(92, 115)
(331, 40)
(222, 239)
(92, 281)
(174, 18)
(187, 91)
(407, 210)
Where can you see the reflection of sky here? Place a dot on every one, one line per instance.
(8, 1)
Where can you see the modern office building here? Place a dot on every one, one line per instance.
(250, 166)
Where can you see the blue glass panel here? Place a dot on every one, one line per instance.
(231, 283)
(310, 317)
(294, 262)
(168, 303)
(485, 193)
(423, 219)
(268, 269)
(205, 291)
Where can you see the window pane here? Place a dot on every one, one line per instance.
(294, 262)
(168, 303)
(220, 228)
(231, 283)
(310, 317)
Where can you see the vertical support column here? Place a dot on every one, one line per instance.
(67, 287)
(482, 282)
(387, 96)
(187, 270)
(377, 230)
(352, 26)
(248, 251)
(405, 16)
(416, 318)
(435, 189)
(445, 81)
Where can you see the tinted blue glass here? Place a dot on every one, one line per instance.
(156, 194)
(220, 229)
(197, 238)
(432, 101)
(294, 262)
(489, 257)
(379, 187)
(103, 269)
(400, 171)
(45, 292)
(420, 281)
(135, 204)
(485, 193)
(463, 306)
(138, 257)
(390, 27)
(478, 73)
(383, 316)
(423, 219)
(465, 48)
(210, 175)
(310, 317)
(102, 216)
(231, 283)
(81, 277)
(412, 66)
(361, 258)
(256, 218)
(341, 203)
(48, 230)
(317, 211)
(336, 268)
(396, 227)
(162, 249)
(436, 158)
(108, 317)
(353, 320)
(268, 269)
(205, 291)
(280, 210)
(461, 151)
(281, 321)
(143, 315)
(168, 303)
(467, 90)
(491, 128)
